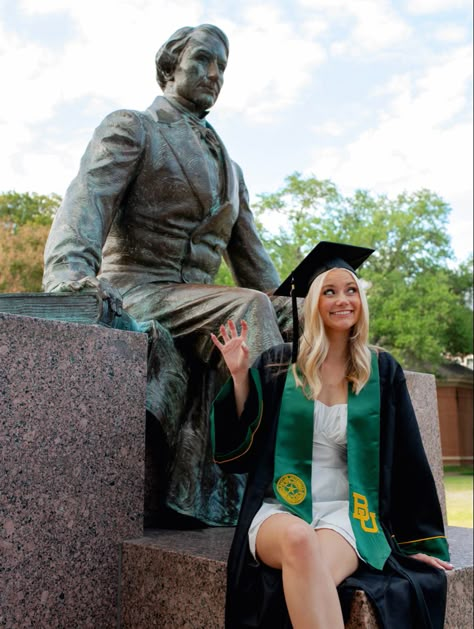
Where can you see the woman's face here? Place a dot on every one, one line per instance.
(339, 301)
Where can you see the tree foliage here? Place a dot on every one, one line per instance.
(25, 220)
(418, 305)
(22, 208)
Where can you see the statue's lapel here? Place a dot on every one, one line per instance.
(185, 146)
(231, 184)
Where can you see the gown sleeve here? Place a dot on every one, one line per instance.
(416, 518)
(238, 442)
(234, 438)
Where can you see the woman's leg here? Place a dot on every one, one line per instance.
(312, 564)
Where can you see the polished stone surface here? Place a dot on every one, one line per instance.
(72, 415)
(362, 613)
(175, 579)
(422, 389)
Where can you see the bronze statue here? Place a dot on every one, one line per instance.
(155, 206)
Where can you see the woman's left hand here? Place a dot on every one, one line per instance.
(433, 561)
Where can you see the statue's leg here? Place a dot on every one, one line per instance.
(196, 486)
(165, 407)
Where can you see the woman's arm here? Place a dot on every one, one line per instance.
(237, 412)
(235, 353)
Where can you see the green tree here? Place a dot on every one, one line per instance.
(417, 307)
(461, 330)
(224, 276)
(21, 208)
(25, 220)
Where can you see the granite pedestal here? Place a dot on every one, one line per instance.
(72, 419)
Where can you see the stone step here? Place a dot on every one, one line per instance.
(173, 579)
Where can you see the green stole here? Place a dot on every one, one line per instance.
(294, 452)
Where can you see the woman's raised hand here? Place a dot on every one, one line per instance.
(234, 348)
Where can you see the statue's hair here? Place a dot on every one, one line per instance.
(314, 343)
(168, 56)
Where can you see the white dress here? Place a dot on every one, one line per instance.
(329, 482)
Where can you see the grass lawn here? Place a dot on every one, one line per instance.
(458, 484)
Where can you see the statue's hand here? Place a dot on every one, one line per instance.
(105, 291)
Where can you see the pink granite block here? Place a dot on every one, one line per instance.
(362, 613)
(72, 416)
(422, 389)
(175, 579)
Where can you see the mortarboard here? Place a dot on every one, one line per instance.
(325, 256)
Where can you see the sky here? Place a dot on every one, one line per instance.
(371, 94)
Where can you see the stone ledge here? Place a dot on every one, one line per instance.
(175, 579)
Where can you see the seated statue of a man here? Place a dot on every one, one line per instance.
(156, 204)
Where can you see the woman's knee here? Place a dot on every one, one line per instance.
(299, 543)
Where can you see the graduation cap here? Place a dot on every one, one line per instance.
(325, 256)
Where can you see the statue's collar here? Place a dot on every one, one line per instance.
(177, 105)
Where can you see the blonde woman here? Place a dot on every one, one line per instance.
(339, 495)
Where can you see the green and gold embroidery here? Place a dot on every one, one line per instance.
(362, 513)
(291, 488)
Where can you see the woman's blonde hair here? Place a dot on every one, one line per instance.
(314, 343)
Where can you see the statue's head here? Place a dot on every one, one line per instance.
(190, 65)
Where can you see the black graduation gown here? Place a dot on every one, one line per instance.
(407, 593)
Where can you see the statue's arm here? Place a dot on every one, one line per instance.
(246, 257)
(73, 253)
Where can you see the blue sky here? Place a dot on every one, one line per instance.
(373, 94)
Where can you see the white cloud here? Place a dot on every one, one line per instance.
(429, 7)
(451, 33)
(421, 139)
(315, 27)
(270, 63)
(331, 128)
(373, 25)
(21, 65)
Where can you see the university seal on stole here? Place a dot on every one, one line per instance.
(291, 488)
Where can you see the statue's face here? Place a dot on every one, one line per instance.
(199, 74)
